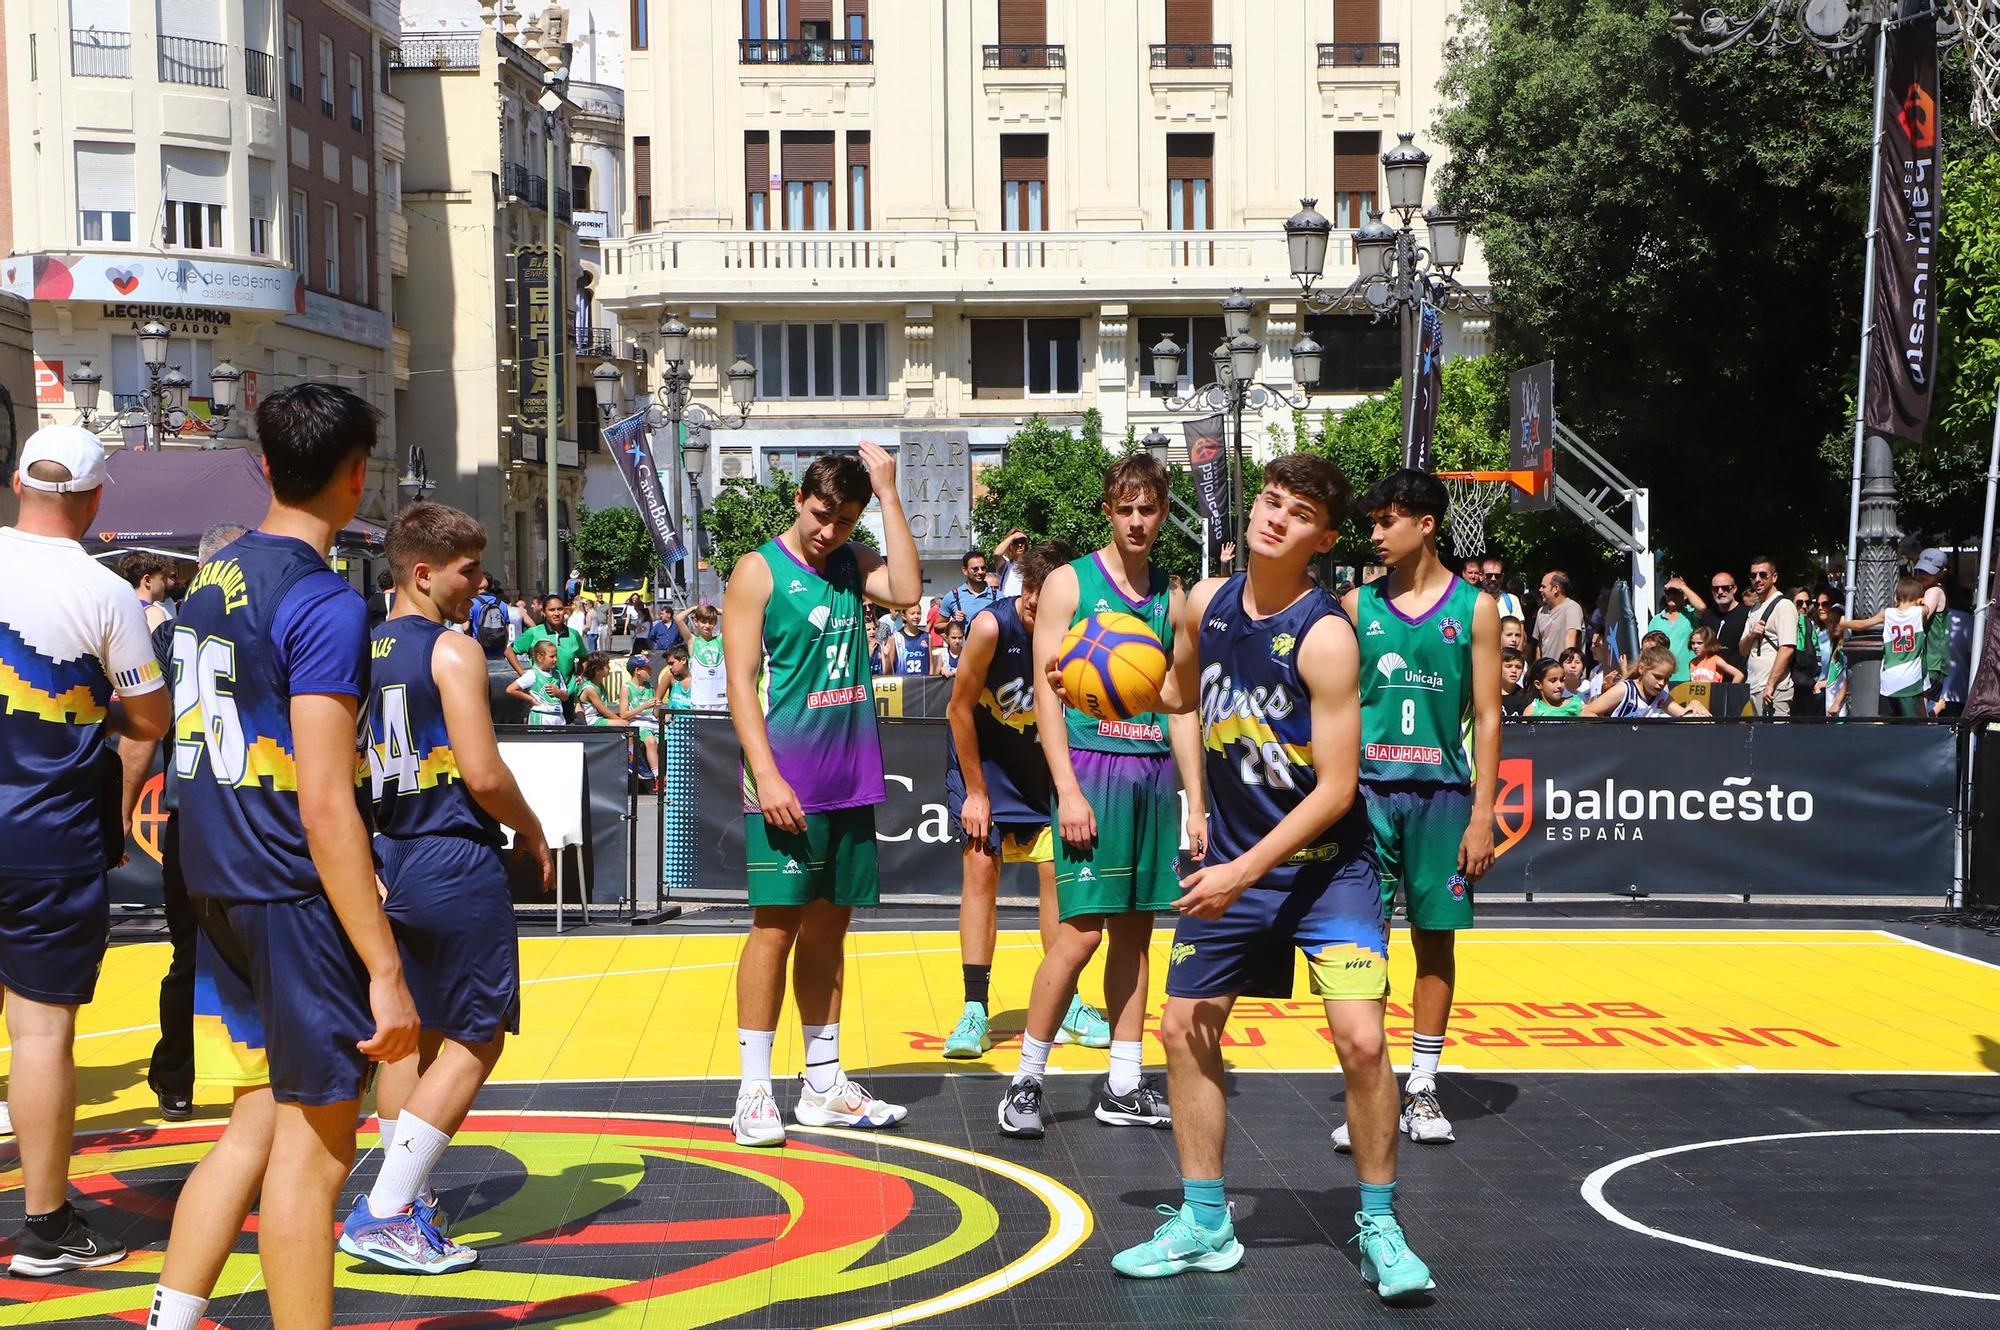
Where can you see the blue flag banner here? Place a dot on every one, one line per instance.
(1429, 371)
(629, 442)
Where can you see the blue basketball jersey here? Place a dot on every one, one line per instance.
(1256, 734)
(264, 620)
(412, 774)
(1010, 754)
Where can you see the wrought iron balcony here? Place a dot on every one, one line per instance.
(1016, 56)
(100, 55)
(437, 50)
(1380, 55)
(193, 61)
(1185, 55)
(806, 51)
(589, 341)
(259, 75)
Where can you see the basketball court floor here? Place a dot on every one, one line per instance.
(1661, 1124)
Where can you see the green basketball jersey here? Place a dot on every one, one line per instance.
(1416, 686)
(816, 690)
(1096, 593)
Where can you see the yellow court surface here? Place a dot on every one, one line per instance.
(660, 1006)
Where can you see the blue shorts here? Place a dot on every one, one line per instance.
(1018, 836)
(53, 931)
(453, 917)
(1337, 922)
(281, 999)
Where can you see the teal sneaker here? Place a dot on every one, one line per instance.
(1180, 1245)
(970, 1037)
(1386, 1259)
(1084, 1025)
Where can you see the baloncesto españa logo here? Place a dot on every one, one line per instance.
(1613, 810)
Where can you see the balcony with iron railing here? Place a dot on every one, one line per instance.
(260, 75)
(1367, 55)
(194, 62)
(806, 51)
(1014, 55)
(563, 212)
(438, 50)
(591, 341)
(1191, 55)
(100, 55)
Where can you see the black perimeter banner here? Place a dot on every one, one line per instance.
(1902, 345)
(1583, 806)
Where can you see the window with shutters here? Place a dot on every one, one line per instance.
(1190, 44)
(1357, 22)
(757, 180)
(1024, 182)
(824, 361)
(262, 199)
(1357, 162)
(1190, 179)
(859, 144)
(326, 77)
(330, 254)
(807, 162)
(104, 193)
(1360, 356)
(295, 59)
(193, 188)
(1024, 22)
(297, 231)
(1027, 357)
(1197, 339)
(357, 88)
(642, 182)
(638, 26)
(856, 14)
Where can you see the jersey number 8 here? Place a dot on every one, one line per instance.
(200, 669)
(1409, 715)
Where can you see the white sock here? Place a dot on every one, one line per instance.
(1125, 1059)
(419, 1146)
(1034, 1058)
(386, 1129)
(754, 1047)
(175, 1311)
(1425, 1050)
(823, 1070)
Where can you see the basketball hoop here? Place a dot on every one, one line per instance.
(1979, 26)
(1474, 496)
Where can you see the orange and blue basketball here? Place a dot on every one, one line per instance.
(1113, 666)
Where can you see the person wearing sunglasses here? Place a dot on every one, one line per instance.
(1722, 613)
(1770, 640)
(1493, 581)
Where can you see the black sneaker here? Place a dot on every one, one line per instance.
(175, 1107)
(78, 1249)
(1144, 1107)
(1021, 1110)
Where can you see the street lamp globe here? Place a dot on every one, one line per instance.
(608, 384)
(742, 383)
(1243, 352)
(1155, 444)
(223, 382)
(1447, 240)
(85, 382)
(674, 339)
(1405, 166)
(1374, 246)
(1224, 374)
(1306, 357)
(1166, 355)
(1306, 236)
(694, 452)
(176, 385)
(153, 343)
(1237, 312)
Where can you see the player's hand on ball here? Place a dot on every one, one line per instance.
(395, 1036)
(1197, 834)
(1076, 821)
(881, 465)
(977, 818)
(780, 806)
(1475, 850)
(532, 844)
(1054, 670)
(1207, 893)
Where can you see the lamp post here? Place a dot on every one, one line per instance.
(673, 407)
(1234, 390)
(1398, 276)
(416, 482)
(551, 102)
(162, 406)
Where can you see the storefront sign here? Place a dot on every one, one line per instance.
(339, 318)
(49, 389)
(934, 475)
(181, 320)
(592, 224)
(208, 284)
(540, 356)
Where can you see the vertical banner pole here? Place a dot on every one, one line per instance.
(1867, 319)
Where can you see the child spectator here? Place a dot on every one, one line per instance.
(1573, 671)
(1603, 671)
(1831, 685)
(1513, 634)
(1513, 697)
(1645, 696)
(680, 688)
(1550, 698)
(1902, 649)
(1710, 665)
(944, 659)
(540, 687)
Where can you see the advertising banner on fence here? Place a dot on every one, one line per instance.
(1586, 807)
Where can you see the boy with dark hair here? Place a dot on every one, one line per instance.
(1514, 691)
(1114, 808)
(1430, 757)
(299, 980)
(441, 794)
(152, 579)
(797, 660)
(1277, 690)
(997, 795)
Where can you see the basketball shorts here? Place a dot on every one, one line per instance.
(281, 999)
(1131, 865)
(453, 917)
(1336, 921)
(1418, 828)
(1020, 839)
(833, 859)
(53, 932)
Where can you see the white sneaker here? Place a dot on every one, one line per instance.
(6, 1118)
(1423, 1121)
(845, 1105)
(1341, 1143)
(757, 1120)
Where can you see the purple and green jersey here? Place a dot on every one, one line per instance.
(816, 686)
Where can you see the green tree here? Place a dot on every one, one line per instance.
(746, 512)
(609, 543)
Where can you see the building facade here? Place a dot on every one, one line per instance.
(175, 162)
(926, 220)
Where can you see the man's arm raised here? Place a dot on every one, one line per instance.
(895, 577)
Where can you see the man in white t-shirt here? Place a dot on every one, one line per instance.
(1770, 636)
(71, 635)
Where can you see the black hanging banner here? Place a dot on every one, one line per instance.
(1429, 370)
(627, 442)
(1902, 344)
(1205, 454)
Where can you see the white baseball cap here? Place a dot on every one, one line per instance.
(69, 446)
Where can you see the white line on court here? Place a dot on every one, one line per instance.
(1927, 946)
(1593, 1193)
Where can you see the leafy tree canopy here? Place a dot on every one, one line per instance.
(746, 512)
(609, 543)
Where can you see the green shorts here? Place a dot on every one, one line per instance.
(1418, 828)
(1131, 867)
(832, 860)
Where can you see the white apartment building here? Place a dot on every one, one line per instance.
(157, 153)
(924, 220)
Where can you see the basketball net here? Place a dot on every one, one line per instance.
(1472, 502)
(1979, 22)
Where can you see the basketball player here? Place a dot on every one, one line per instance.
(997, 794)
(1430, 679)
(1290, 868)
(298, 982)
(441, 793)
(796, 654)
(1114, 808)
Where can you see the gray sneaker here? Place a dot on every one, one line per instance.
(1146, 1106)
(1021, 1110)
